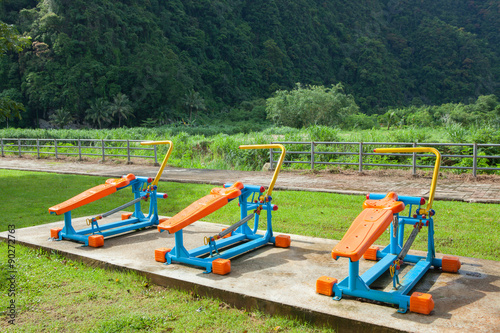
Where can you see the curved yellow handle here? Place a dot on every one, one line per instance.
(280, 161)
(164, 163)
(434, 174)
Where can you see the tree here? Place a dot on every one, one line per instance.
(61, 117)
(10, 40)
(121, 107)
(310, 105)
(98, 112)
(193, 101)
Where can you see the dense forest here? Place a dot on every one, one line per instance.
(112, 63)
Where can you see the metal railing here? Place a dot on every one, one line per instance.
(360, 150)
(78, 147)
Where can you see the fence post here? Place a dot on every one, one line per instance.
(103, 152)
(414, 160)
(38, 148)
(128, 151)
(312, 155)
(79, 150)
(19, 146)
(474, 160)
(361, 157)
(271, 159)
(55, 147)
(156, 157)
(1, 143)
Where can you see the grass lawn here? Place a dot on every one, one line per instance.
(55, 294)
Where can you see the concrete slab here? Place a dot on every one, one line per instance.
(282, 281)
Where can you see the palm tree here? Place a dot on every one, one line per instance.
(121, 107)
(193, 100)
(61, 117)
(98, 112)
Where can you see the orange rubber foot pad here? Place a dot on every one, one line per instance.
(371, 253)
(221, 266)
(362, 233)
(324, 285)
(450, 264)
(126, 216)
(282, 241)
(421, 303)
(161, 253)
(96, 240)
(54, 233)
(217, 198)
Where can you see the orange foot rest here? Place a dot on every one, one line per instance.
(217, 198)
(450, 264)
(96, 240)
(221, 266)
(421, 303)
(324, 285)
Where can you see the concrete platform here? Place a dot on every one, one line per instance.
(282, 281)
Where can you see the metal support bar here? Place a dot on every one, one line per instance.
(37, 148)
(361, 157)
(312, 155)
(474, 160)
(103, 152)
(55, 147)
(79, 150)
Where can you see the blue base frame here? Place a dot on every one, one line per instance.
(359, 286)
(203, 256)
(138, 220)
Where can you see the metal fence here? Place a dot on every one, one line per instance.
(362, 151)
(79, 147)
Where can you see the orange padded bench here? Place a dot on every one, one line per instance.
(368, 226)
(217, 198)
(91, 195)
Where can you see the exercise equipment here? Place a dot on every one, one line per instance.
(381, 211)
(143, 189)
(237, 239)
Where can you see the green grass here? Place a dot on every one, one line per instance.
(465, 229)
(56, 294)
(59, 295)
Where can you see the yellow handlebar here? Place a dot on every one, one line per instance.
(164, 163)
(420, 150)
(280, 161)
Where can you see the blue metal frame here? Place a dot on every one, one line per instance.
(204, 256)
(359, 286)
(140, 187)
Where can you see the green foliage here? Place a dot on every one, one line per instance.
(10, 40)
(310, 105)
(162, 53)
(99, 112)
(60, 118)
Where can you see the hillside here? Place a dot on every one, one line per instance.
(221, 58)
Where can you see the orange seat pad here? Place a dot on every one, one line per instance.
(90, 195)
(217, 198)
(365, 230)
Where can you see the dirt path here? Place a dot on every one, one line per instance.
(484, 188)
